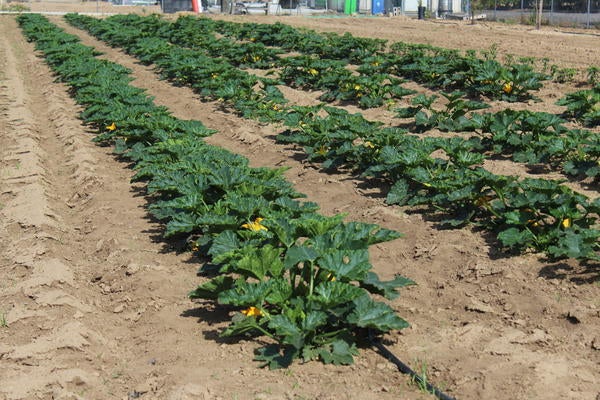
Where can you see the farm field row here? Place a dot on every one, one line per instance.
(75, 354)
(566, 47)
(146, 356)
(528, 213)
(439, 300)
(83, 283)
(246, 136)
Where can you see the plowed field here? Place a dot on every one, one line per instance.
(94, 305)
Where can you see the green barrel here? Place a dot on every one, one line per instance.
(350, 7)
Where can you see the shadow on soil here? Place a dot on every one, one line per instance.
(217, 317)
(213, 316)
(582, 274)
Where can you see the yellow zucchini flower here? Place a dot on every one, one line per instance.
(255, 226)
(252, 312)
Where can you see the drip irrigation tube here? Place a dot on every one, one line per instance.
(405, 369)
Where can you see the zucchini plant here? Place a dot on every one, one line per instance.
(583, 105)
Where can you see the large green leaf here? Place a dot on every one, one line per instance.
(513, 237)
(227, 177)
(281, 292)
(399, 193)
(369, 233)
(388, 289)
(261, 262)
(349, 265)
(246, 206)
(217, 221)
(181, 223)
(313, 320)
(245, 294)
(289, 333)
(330, 294)
(273, 357)
(283, 229)
(297, 254)
(211, 289)
(224, 242)
(315, 224)
(579, 244)
(369, 313)
(338, 352)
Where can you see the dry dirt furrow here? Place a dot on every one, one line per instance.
(485, 325)
(41, 337)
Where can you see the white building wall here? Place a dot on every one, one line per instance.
(365, 6)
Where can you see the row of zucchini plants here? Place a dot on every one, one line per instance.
(444, 174)
(434, 66)
(323, 59)
(305, 71)
(212, 78)
(300, 278)
(524, 136)
(302, 71)
(583, 105)
(524, 213)
(370, 88)
(322, 64)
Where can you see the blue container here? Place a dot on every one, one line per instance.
(378, 7)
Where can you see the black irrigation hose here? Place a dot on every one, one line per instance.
(405, 369)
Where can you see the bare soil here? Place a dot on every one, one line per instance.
(93, 304)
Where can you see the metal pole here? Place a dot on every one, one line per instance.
(522, 10)
(551, 12)
(589, 10)
(495, 9)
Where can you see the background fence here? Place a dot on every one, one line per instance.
(571, 13)
(576, 13)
